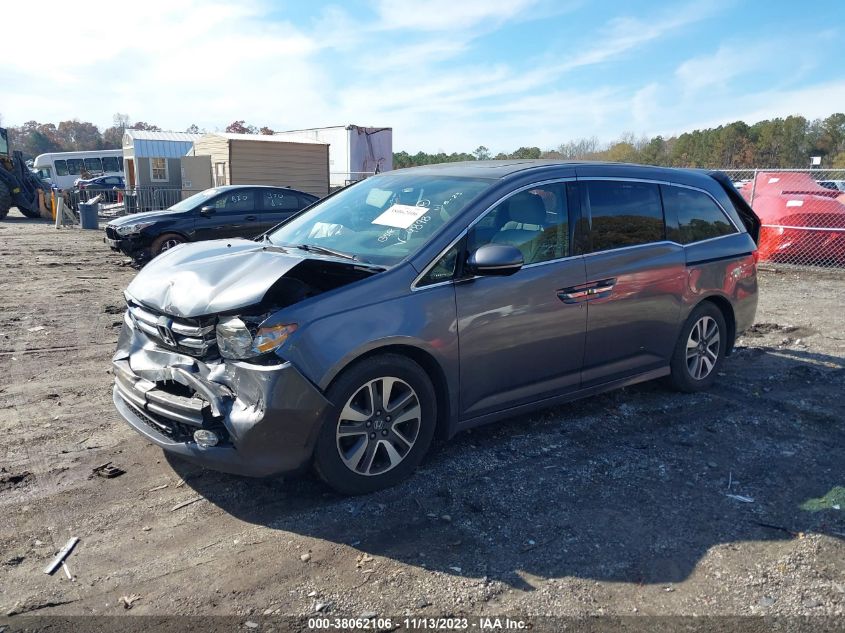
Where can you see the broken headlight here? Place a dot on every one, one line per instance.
(237, 341)
(132, 229)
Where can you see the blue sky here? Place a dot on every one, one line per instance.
(447, 75)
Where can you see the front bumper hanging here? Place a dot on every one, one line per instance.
(266, 417)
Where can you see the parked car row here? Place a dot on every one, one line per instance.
(243, 211)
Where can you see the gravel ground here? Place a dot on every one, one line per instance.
(617, 505)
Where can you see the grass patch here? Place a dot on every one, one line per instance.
(836, 497)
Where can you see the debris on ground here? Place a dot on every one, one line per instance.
(305, 557)
(179, 506)
(107, 471)
(61, 556)
(742, 498)
(128, 601)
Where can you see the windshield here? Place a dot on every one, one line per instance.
(383, 219)
(195, 200)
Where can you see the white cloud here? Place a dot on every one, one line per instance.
(814, 101)
(405, 65)
(171, 62)
(447, 15)
(624, 34)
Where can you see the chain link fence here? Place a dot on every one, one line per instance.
(802, 212)
(117, 201)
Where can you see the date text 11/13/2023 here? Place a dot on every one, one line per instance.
(486, 623)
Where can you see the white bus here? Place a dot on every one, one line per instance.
(63, 169)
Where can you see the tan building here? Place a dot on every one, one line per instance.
(258, 159)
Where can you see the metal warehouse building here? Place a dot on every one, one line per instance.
(152, 159)
(258, 159)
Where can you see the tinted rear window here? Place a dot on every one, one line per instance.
(280, 201)
(699, 217)
(624, 213)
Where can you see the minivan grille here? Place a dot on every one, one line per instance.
(194, 337)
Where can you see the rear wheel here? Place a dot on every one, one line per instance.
(700, 349)
(5, 199)
(165, 242)
(379, 426)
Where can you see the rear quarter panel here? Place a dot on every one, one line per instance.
(724, 267)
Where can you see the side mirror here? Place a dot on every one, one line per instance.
(207, 211)
(495, 260)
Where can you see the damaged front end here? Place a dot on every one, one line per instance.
(234, 416)
(213, 388)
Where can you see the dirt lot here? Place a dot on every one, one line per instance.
(616, 505)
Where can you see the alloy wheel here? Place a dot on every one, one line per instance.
(378, 426)
(168, 244)
(703, 347)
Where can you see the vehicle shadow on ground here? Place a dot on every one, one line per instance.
(632, 486)
(14, 219)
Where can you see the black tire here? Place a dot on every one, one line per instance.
(164, 242)
(693, 355)
(354, 381)
(5, 199)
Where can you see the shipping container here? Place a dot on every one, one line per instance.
(355, 151)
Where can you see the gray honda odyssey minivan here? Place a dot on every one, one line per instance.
(424, 301)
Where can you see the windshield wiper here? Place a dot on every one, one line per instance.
(325, 251)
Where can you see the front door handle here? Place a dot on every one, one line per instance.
(587, 292)
(251, 218)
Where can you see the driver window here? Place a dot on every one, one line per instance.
(535, 221)
(235, 201)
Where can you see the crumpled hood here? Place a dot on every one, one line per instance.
(209, 277)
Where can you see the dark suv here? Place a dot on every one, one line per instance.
(426, 301)
(220, 212)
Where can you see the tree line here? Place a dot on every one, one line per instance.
(34, 138)
(779, 142)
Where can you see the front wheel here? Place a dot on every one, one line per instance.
(165, 242)
(700, 349)
(379, 426)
